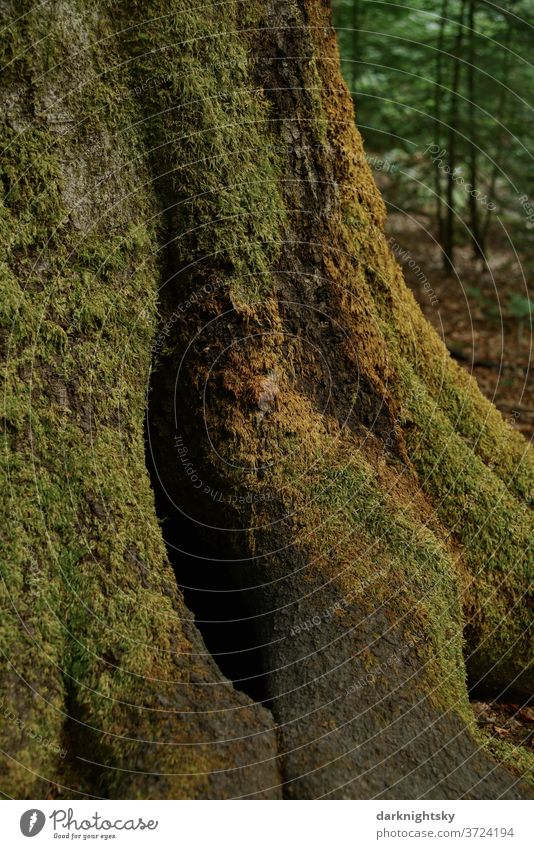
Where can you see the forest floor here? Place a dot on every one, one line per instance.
(481, 314)
(509, 722)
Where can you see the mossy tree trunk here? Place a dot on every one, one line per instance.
(188, 210)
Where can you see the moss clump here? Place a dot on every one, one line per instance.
(517, 758)
(205, 123)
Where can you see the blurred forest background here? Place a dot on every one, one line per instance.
(443, 96)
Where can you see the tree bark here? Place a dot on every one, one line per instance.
(502, 132)
(448, 241)
(438, 94)
(188, 208)
(357, 21)
(477, 240)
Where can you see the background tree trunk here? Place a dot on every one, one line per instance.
(479, 250)
(188, 209)
(358, 14)
(438, 128)
(450, 217)
(502, 134)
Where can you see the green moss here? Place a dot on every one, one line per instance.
(362, 526)
(207, 124)
(476, 471)
(90, 604)
(101, 167)
(495, 530)
(517, 758)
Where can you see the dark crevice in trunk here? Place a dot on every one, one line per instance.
(482, 687)
(212, 583)
(214, 586)
(485, 681)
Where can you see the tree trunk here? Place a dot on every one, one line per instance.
(477, 241)
(438, 95)
(357, 22)
(502, 132)
(448, 240)
(188, 210)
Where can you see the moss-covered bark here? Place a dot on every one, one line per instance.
(185, 189)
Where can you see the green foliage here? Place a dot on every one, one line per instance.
(390, 55)
(490, 309)
(520, 307)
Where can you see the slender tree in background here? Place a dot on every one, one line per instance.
(501, 135)
(207, 340)
(357, 23)
(474, 225)
(438, 95)
(453, 115)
